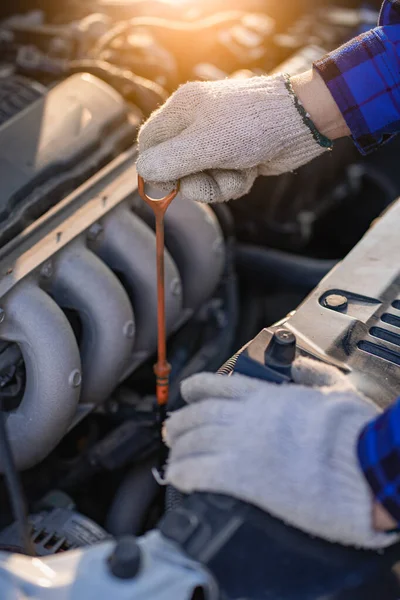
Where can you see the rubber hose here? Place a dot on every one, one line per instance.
(300, 271)
(133, 499)
(145, 94)
(225, 219)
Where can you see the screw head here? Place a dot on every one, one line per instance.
(94, 232)
(47, 270)
(176, 287)
(129, 329)
(283, 337)
(281, 350)
(75, 378)
(335, 302)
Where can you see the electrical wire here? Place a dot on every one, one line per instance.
(14, 487)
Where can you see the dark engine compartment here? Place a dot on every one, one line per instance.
(77, 245)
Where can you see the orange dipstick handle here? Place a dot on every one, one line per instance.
(162, 368)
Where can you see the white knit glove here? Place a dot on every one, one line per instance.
(216, 137)
(288, 449)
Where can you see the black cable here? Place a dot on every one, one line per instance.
(142, 92)
(14, 487)
(225, 219)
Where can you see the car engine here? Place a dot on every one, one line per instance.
(78, 297)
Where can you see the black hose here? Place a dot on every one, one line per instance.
(265, 263)
(225, 219)
(133, 499)
(145, 94)
(14, 487)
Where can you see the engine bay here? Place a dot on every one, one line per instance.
(78, 303)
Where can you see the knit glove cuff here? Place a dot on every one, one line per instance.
(300, 140)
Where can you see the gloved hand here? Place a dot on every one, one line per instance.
(216, 137)
(288, 449)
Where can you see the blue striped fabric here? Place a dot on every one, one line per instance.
(363, 76)
(379, 456)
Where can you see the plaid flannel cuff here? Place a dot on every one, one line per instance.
(379, 456)
(363, 77)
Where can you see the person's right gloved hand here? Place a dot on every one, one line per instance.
(288, 449)
(217, 137)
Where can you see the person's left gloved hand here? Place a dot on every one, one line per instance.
(288, 449)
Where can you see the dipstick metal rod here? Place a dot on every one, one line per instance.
(162, 368)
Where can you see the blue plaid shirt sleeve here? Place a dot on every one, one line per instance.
(363, 77)
(379, 456)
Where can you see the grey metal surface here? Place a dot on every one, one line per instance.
(54, 133)
(369, 277)
(360, 334)
(52, 362)
(54, 251)
(82, 282)
(193, 235)
(128, 247)
(165, 574)
(68, 220)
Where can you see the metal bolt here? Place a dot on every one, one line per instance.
(126, 558)
(47, 270)
(75, 378)
(281, 351)
(94, 232)
(176, 287)
(335, 302)
(2, 315)
(129, 329)
(284, 337)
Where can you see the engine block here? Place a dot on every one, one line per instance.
(93, 256)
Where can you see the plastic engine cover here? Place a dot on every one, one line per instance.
(56, 143)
